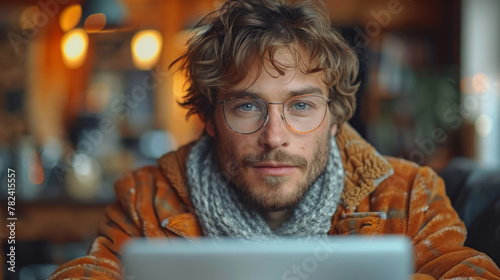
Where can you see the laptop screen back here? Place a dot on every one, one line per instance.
(339, 258)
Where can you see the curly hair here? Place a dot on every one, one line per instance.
(230, 40)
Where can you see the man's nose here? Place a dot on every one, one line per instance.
(275, 132)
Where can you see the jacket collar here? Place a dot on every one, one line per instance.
(173, 166)
(364, 168)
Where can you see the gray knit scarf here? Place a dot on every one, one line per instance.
(223, 214)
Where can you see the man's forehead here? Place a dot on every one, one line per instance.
(283, 58)
(285, 72)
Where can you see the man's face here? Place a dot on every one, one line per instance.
(273, 167)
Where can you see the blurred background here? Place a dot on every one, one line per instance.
(86, 95)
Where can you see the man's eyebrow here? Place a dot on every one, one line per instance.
(307, 90)
(243, 93)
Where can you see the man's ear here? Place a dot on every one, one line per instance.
(210, 127)
(333, 130)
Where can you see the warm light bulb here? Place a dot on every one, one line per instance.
(74, 46)
(146, 47)
(70, 17)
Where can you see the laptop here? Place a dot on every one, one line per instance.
(339, 258)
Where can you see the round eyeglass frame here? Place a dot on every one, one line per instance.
(223, 102)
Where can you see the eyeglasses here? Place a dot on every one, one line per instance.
(302, 114)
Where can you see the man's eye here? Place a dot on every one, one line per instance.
(301, 106)
(248, 107)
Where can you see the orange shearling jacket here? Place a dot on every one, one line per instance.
(382, 195)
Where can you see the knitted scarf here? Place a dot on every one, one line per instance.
(223, 214)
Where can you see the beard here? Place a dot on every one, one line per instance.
(271, 193)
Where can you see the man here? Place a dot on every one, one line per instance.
(275, 85)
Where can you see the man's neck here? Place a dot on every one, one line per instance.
(275, 219)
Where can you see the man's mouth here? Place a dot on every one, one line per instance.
(274, 169)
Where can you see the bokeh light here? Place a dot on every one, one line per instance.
(97, 98)
(155, 143)
(70, 17)
(36, 173)
(466, 85)
(29, 18)
(74, 46)
(95, 23)
(146, 47)
(483, 125)
(481, 83)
